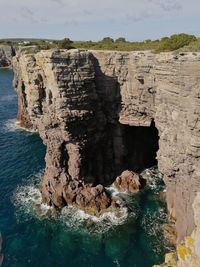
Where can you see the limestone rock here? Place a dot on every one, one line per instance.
(94, 200)
(87, 105)
(6, 54)
(188, 252)
(128, 181)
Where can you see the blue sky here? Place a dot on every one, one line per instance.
(93, 20)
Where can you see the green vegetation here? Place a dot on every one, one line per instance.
(175, 42)
(64, 44)
(183, 42)
(171, 43)
(192, 47)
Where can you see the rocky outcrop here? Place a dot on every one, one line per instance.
(188, 252)
(128, 181)
(92, 199)
(6, 54)
(99, 113)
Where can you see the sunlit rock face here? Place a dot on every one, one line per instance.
(101, 113)
(188, 252)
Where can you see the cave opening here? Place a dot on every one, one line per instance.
(140, 147)
(125, 147)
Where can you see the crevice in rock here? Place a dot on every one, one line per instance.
(24, 95)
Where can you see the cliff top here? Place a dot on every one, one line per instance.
(173, 55)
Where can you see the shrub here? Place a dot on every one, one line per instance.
(66, 43)
(120, 40)
(175, 42)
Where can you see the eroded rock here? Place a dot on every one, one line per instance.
(128, 181)
(6, 54)
(187, 253)
(79, 100)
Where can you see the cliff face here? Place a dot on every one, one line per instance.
(178, 120)
(188, 252)
(6, 54)
(100, 113)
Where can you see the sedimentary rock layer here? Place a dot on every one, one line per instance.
(99, 113)
(187, 253)
(6, 54)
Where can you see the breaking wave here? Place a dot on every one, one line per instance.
(28, 201)
(13, 125)
(154, 179)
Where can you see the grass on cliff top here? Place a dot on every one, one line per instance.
(183, 42)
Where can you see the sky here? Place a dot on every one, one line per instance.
(135, 20)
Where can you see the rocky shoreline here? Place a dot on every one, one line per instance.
(102, 113)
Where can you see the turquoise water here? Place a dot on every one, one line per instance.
(68, 239)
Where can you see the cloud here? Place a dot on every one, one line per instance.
(28, 14)
(167, 5)
(140, 16)
(79, 18)
(59, 2)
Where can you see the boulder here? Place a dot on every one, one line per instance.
(128, 181)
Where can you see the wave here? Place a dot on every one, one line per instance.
(152, 223)
(78, 219)
(8, 97)
(154, 179)
(13, 125)
(28, 202)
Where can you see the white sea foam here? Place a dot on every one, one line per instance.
(154, 179)
(113, 190)
(13, 125)
(7, 97)
(152, 224)
(76, 218)
(28, 200)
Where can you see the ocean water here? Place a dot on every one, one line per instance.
(35, 236)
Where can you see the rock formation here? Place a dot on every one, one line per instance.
(6, 54)
(188, 252)
(101, 113)
(128, 181)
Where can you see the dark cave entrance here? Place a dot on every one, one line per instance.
(140, 147)
(124, 147)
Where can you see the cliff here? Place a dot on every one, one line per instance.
(187, 253)
(6, 54)
(100, 113)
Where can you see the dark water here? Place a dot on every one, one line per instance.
(68, 240)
